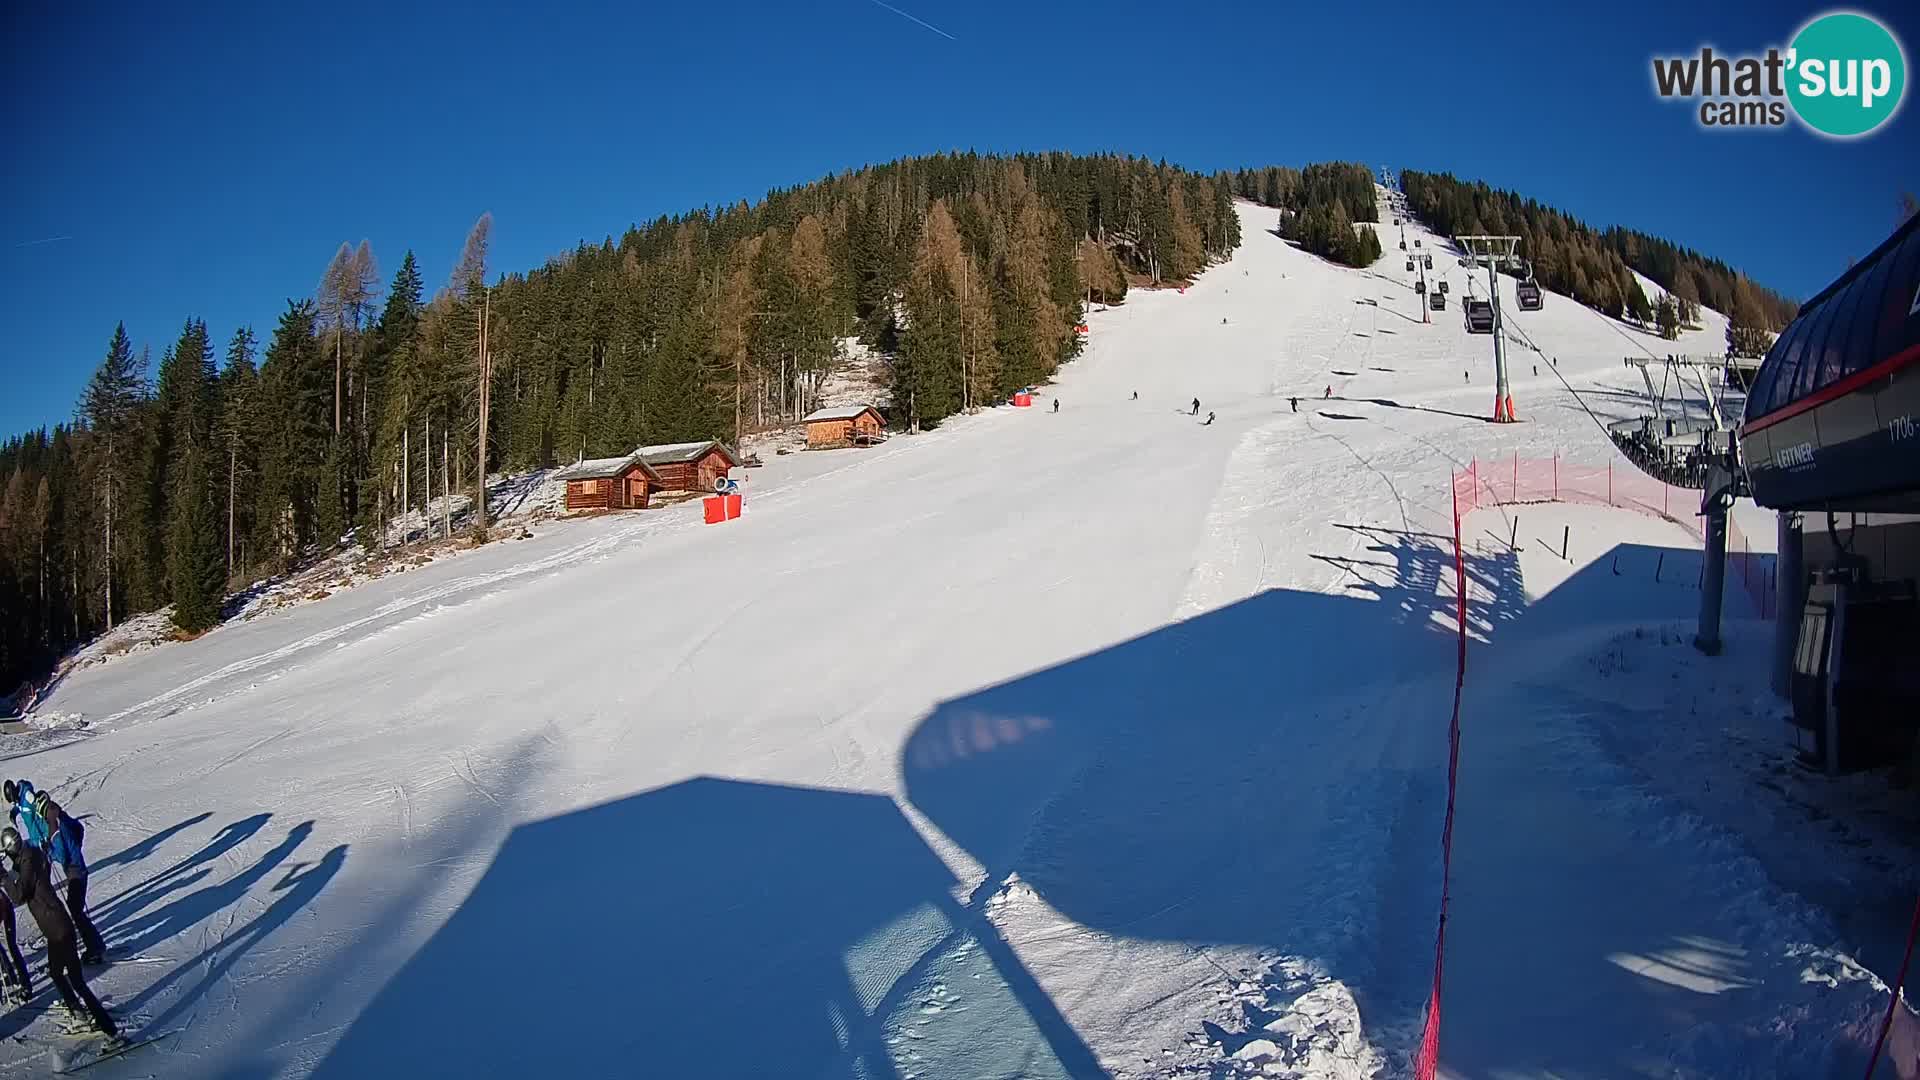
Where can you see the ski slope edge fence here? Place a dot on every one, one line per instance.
(1517, 481)
(1427, 1057)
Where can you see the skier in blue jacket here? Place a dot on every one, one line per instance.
(19, 795)
(64, 851)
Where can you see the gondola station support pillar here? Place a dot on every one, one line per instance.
(1494, 251)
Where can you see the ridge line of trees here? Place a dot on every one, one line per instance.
(1593, 265)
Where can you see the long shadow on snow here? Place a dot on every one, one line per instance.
(692, 931)
(143, 931)
(126, 904)
(1196, 784)
(139, 850)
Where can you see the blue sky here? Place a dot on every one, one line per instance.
(167, 163)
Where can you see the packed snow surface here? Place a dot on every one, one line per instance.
(1094, 743)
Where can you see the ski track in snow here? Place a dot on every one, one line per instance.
(1077, 744)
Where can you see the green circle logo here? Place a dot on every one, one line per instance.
(1847, 74)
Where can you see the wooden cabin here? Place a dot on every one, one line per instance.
(853, 425)
(622, 483)
(689, 466)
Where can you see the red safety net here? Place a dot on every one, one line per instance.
(1535, 480)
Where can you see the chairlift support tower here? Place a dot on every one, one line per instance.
(1495, 251)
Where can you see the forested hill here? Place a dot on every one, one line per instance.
(225, 461)
(1590, 264)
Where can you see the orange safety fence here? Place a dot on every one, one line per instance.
(1517, 480)
(1512, 480)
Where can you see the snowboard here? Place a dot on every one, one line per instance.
(88, 1058)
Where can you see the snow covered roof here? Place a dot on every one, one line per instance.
(845, 412)
(679, 453)
(600, 468)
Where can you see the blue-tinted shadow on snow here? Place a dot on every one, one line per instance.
(711, 928)
(1269, 774)
(1234, 779)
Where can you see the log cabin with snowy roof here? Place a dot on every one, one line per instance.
(851, 425)
(689, 466)
(619, 483)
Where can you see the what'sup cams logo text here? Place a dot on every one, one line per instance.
(1843, 75)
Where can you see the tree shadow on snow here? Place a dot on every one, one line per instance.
(710, 928)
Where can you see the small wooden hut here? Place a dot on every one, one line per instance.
(622, 483)
(853, 425)
(689, 466)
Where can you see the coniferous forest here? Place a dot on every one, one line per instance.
(1591, 265)
(242, 456)
(236, 457)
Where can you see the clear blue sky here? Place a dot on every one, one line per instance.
(166, 161)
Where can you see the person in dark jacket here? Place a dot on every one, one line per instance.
(64, 851)
(25, 882)
(1209, 420)
(12, 965)
(1196, 407)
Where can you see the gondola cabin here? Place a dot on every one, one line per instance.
(854, 425)
(1437, 300)
(1529, 295)
(1479, 316)
(622, 483)
(689, 466)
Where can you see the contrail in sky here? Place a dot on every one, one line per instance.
(57, 239)
(915, 18)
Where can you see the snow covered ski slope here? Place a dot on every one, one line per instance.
(1089, 743)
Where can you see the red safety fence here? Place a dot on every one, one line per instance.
(1508, 481)
(1427, 1058)
(1518, 480)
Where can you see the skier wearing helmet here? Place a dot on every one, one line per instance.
(66, 836)
(19, 795)
(25, 883)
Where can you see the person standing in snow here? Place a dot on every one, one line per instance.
(1295, 402)
(12, 965)
(1196, 407)
(1136, 395)
(64, 851)
(1056, 404)
(1329, 393)
(25, 882)
(19, 795)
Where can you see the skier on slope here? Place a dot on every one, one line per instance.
(1136, 395)
(1329, 393)
(19, 795)
(1295, 402)
(26, 883)
(1209, 420)
(64, 850)
(1196, 407)
(1056, 404)
(12, 965)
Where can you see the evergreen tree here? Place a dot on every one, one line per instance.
(1667, 317)
(196, 563)
(108, 407)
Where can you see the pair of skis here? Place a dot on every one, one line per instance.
(101, 1050)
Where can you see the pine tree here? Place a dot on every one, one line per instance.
(238, 440)
(1667, 317)
(108, 406)
(1637, 308)
(196, 565)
